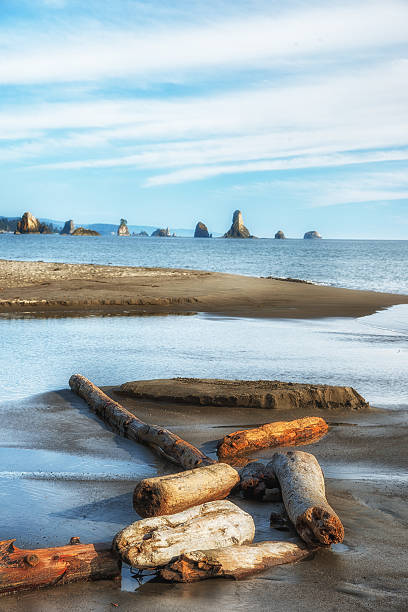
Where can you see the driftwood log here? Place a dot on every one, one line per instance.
(22, 570)
(153, 542)
(303, 492)
(176, 492)
(128, 425)
(256, 480)
(234, 562)
(281, 433)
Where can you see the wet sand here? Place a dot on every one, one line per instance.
(45, 289)
(363, 457)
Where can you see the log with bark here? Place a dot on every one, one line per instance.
(303, 492)
(153, 542)
(234, 562)
(128, 425)
(22, 570)
(176, 492)
(281, 433)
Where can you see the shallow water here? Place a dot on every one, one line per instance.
(380, 265)
(369, 353)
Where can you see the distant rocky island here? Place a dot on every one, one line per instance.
(313, 235)
(201, 231)
(238, 229)
(123, 229)
(29, 224)
(162, 233)
(82, 231)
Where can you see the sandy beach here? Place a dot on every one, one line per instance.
(366, 572)
(59, 289)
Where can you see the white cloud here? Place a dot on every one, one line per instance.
(92, 51)
(348, 186)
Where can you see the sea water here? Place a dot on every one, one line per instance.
(379, 265)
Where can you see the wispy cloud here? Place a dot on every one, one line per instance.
(92, 50)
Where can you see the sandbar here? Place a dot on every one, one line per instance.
(60, 289)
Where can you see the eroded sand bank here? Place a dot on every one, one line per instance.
(70, 289)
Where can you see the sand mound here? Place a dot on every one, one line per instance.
(247, 393)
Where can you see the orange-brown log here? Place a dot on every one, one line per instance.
(22, 570)
(280, 433)
(234, 562)
(128, 425)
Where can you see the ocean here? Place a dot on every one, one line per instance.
(378, 265)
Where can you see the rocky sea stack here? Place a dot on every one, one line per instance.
(201, 231)
(280, 235)
(123, 229)
(162, 233)
(31, 225)
(238, 229)
(313, 235)
(68, 228)
(82, 231)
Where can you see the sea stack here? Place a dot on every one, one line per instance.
(28, 224)
(201, 230)
(238, 229)
(162, 233)
(280, 235)
(68, 228)
(123, 229)
(313, 235)
(82, 231)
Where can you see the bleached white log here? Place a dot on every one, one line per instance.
(234, 562)
(153, 542)
(303, 492)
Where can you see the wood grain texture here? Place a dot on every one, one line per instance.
(128, 425)
(303, 492)
(27, 569)
(153, 542)
(233, 562)
(280, 433)
(176, 492)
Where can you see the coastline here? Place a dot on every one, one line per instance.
(59, 289)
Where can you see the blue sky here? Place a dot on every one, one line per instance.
(167, 113)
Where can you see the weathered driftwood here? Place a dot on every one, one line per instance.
(234, 562)
(153, 542)
(22, 570)
(303, 491)
(176, 492)
(281, 433)
(256, 479)
(128, 425)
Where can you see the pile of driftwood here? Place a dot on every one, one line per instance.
(189, 531)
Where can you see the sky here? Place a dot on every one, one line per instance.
(170, 112)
